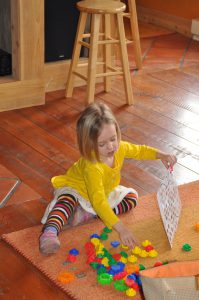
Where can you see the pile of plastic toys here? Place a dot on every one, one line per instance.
(120, 268)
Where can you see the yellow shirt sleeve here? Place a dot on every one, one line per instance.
(59, 181)
(139, 152)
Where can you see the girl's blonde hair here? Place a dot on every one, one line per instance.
(89, 127)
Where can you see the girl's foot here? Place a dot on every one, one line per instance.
(49, 242)
(81, 216)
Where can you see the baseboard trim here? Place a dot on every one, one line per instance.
(174, 23)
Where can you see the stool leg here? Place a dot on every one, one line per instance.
(124, 58)
(107, 30)
(92, 62)
(135, 33)
(76, 54)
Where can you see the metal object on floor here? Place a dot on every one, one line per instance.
(11, 191)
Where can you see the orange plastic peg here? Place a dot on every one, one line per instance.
(197, 226)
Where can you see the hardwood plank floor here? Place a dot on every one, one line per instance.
(39, 142)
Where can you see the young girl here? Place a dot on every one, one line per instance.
(91, 186)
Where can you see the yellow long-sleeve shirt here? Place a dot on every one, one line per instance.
(95, 180)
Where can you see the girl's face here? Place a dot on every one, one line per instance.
(107, 142)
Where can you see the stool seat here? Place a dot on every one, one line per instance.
(100, 13)
(101, 6)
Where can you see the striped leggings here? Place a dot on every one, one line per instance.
(66, 205)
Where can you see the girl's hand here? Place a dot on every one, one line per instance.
(126, 236)
(168, 160)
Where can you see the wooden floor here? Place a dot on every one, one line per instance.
(38, 143)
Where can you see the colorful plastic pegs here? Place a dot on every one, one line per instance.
(115, 244)
(74, 251)
(186, 247)
(104, 278)
(197, 226)
(65, 277)
(120, 285)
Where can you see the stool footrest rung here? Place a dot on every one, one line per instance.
(129, 41)
(88, 35)
(109, 74)
(80, 75)
(114, 69)
(126, 15)
(99, 63)
(85, 44)
(114, 72)
(108, 41)
(102, 42)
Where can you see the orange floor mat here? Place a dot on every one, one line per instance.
(146, 224)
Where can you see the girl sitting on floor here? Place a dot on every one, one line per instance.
(91, 186)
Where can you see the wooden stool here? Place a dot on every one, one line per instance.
(132, 15)
(100, 10)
